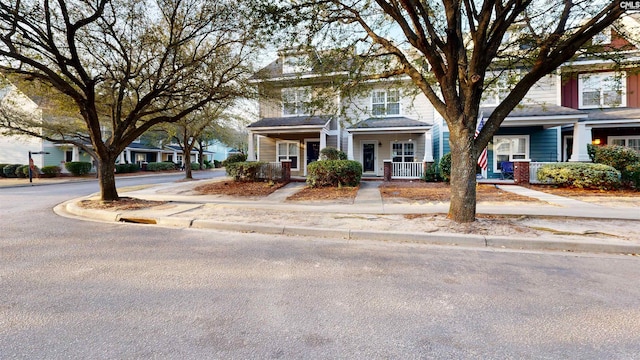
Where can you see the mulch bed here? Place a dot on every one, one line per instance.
(239, 188)
(325, 193)
(124, 203)
(424, 191)
(577, 192)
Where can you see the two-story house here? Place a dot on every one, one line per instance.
(301, 112)
(584, 102)
(607, 91)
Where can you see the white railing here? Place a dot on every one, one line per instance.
(533, 172)
(407, 170)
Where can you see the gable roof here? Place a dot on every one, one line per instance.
(397, 124)
(292, 121)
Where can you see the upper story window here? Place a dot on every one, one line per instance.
(292, 64)
(498, 88)
(602, 38)
(602, 90)
(385, 102)
(295, 101)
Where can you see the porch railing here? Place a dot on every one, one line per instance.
(533, 172)
(407, 170)
(270, 171)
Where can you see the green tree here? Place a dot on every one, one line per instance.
(127, 65)
(448, 49)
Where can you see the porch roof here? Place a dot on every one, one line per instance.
(392, 124)
(546, 115)
(291, 123)
(618, 117)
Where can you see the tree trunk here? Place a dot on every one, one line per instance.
(106, 175)
(462, 208)
(187, 164)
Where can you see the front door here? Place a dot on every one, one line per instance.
(312, 152)
(369, 157)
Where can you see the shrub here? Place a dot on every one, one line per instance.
(245, 170)
(445, 167)
(217, 164)
(51, 171)
(127, 168)
(616, 156)
(78, 168)
(331, 153)
(10, 170)
(580, 175)
(161, 166)
(591, 151)
(207, 164)
(431, 172)
(334, 173)
(631, 175)
(22, 171)
(1, 170)
(235, 158)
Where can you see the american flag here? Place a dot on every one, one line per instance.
(482, 160)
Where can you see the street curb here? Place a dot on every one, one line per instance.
(104, 215)
(466, 240)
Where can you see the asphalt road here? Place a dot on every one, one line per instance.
(73, 289)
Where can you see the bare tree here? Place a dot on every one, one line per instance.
(448, 49)
(128, 65)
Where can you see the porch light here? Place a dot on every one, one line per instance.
(596, 142)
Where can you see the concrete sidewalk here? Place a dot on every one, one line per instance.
(187, 210)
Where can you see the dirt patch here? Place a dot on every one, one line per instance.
(239, 188)
(620, 198)
(124, 203)
(343, 194)
(441, 192)
(577, 192)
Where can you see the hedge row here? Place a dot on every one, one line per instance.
(334, 173)
(9, 170)
(245, 170)
(580, 175)
(161, 166)
(78, 168)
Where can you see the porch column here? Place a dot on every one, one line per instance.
(350, 146)
(428, 147)
(323, 139)
(251, 156)
(75, 156)
(127, 156)
(581, 137)
(159, 159)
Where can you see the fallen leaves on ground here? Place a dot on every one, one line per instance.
(325, 193)
(441, 192)
(124, 203)
(577, 192)
(239, 188)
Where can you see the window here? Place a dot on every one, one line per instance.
(509, 148)
(385, 102)
(602, 90)
(602, 38)
(497, 89)
(295, 64)
(288, 150)
(179, 159)
(628, 141)
(295, 101)
(68, 156)
(402, 152)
